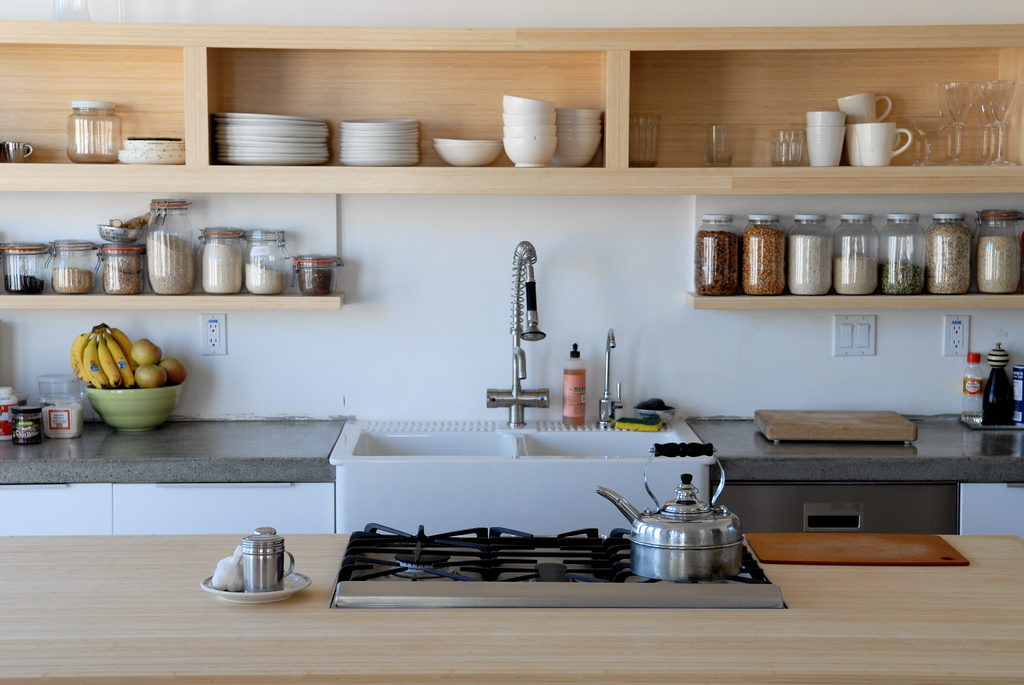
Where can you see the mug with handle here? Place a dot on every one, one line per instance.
(862, 108)
(876, 143)
(13, 151)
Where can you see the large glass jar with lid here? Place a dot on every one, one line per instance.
(266, 267)
(947, 255)
(72, 266)
(998, 258)
(94, 132)
(764, 255)
(222, 260)
(169, 257)
(901, 256)
(855, 255)
(809, 256)
(25, 267)
(716, 251)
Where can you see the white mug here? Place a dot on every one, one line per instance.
(852, 152)
(825, 144)
(876, 143)
(826, 118)
(863, 108)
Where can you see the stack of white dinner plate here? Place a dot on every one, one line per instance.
(380, 142)
(152, 151)
(270, 139)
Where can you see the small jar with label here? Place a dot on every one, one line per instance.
(809, 256)
(122, 268)
(717, 256)
(317, 274)
(764, 255)
(94, 132)
(947, 255)
(999, 251)
(855, 255)
(901, 256)
(62, 415)
(222, 260)
(266, 266)
(25, 267)
(73, 265)
(170, 262)
(26, 425)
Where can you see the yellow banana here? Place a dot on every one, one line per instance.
(77, 347)
(107, 364)
(125, 343)
(91, 361)
(121, 361)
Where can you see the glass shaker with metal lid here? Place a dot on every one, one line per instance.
(999, 251)
(25, 267)
(222, 260)
(948, 255)
(717, 256)
(267, 263)
(855, 255)
(809, 255)
(901, 256)
(73, 265)
(169, 255)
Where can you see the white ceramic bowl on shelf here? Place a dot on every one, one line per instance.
(571, 159)
(529, 131)
(530, 152)
(458, 152)
(513, 104)
(528, 119)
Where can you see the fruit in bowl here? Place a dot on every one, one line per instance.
(134, 409)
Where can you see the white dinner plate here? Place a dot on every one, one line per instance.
(292, 584)
(270, 161)
(249, 116)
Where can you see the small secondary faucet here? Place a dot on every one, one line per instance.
(609, 405)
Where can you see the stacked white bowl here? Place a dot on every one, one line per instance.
(529, 130)
(380, 142)
(579, 134)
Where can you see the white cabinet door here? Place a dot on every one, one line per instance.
(992, 509)
(56, 509)
(182, 508)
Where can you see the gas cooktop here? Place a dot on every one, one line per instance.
(502, 568)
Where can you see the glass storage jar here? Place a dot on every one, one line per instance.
(94, 132)
(73, 266)
(222, 260)
(764, 255)
(855, 255)
(24, 267)
(316, 273)
(947, 255)
(809, 255)
(998, 257)
(901, 256)
(717, 256)
(122, 269)
(169, 258)
(267, 262)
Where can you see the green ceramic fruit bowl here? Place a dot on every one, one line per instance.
(134, 409)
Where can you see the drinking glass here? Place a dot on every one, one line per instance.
(997, 99)
(927, 127)
(956, 99)
(70, 10)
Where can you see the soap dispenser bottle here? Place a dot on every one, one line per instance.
(574, 389)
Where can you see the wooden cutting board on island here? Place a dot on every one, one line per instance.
(829, 425)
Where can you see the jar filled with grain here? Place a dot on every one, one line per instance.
(901, 256)
(267, 262)
(855, 255)
(316, 273)
(947, 255)
(169, 257)
(764, 255)
(809, 255)
(222, 260)
(73, 264)
(717, 256)
(998, 257)
(25, 267)
(122, 269)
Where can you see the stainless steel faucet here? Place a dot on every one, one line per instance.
(609, 405)
(523, 287)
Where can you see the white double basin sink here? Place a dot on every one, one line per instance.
(452, 475)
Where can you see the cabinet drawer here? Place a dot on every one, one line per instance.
(56, 509)
(992, 509)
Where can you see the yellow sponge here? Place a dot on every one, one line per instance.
(651, 425)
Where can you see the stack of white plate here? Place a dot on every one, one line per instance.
(529, 130)
(152, 151)
(270, 139)
(579, 134)
(380, 142)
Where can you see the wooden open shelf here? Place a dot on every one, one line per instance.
(923, 301)
(168, 302)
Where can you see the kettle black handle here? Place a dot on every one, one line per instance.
(683, 449)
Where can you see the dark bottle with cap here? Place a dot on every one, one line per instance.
(997, 408)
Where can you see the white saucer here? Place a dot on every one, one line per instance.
(292, 584)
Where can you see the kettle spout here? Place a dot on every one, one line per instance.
(620, 502)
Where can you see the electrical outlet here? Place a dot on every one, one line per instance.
(956, 335)
(214, 334)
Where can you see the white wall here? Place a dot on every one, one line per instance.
(425, 329)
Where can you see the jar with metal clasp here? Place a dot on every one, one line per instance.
(74, 265)
(122, 268)
(266, 266)
(222, 260)
(25, 267)
(316, 273)
(170, 260)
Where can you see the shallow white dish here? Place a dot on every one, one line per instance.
(292, 584)
(248, 116)
(468, 152)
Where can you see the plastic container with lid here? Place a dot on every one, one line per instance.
(809, 255)
(8, 400)
(317, 274)
(999, 251)
(855, 255)
(94, 132)
(122, 268)
(222, 260)
(764, 255)
(266, 266)
(25, 267)
(901, 256)
(948, 255)
(717, 256)
(169, 257)
(73, 265)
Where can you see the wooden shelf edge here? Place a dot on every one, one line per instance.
(169, 302)
(808, 302)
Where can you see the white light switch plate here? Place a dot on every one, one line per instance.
(854, 336)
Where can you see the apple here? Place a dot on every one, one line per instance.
(176, 373)
(146, 352)
(150, 376)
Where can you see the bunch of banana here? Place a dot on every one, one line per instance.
(103, 357)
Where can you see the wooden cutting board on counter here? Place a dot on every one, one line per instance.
(846, 426)
(854, 549)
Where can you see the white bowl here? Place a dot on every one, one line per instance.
(578, 130)
(467, 152)
(571, 160)
(528, 119)
(528, 131)
(578, 113)
(517, 105)
(530, 152)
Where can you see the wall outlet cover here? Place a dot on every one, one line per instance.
(214, 334)
(854, 336)
(956, 335)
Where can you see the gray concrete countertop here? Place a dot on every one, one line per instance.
(180, 452)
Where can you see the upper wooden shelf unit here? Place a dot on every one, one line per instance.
(168, 79)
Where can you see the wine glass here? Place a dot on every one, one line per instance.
(956, 100)
(997, 99)
(927, 127)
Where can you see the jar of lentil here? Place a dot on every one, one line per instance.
(73, 265)
(809, 255)
(901, 256)
(316, 273)
(122, 269)
(267, 263)
(717, 256)
(169, 257)
(764, 255)
(998, 257)
(94, 132)
(222, 260)
(25, 267)
(855, 255)
(947, 255)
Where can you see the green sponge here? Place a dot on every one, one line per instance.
(651, 425)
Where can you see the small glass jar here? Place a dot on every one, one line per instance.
(855, 255)
(901, 256)
(809, 255)
(73, 266)
(948, 255)
(998, 257)
(26, 425)
(317, 274)
(94, 133)
(266, 266)
(169, 257)
(764, 255)
(62, 415)
(25, 267)
(716, 252)
(222, 260)
(122, 268)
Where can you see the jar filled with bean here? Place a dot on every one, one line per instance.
(72, 266)
(998, 258)
(764, 255)
(122, 269)
(25, 267)
(316, 273)
(855, 255)
(809, 256)
(717, 256)
(901, 256)
(947, 255)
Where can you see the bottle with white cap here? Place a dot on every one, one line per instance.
(7, 400)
